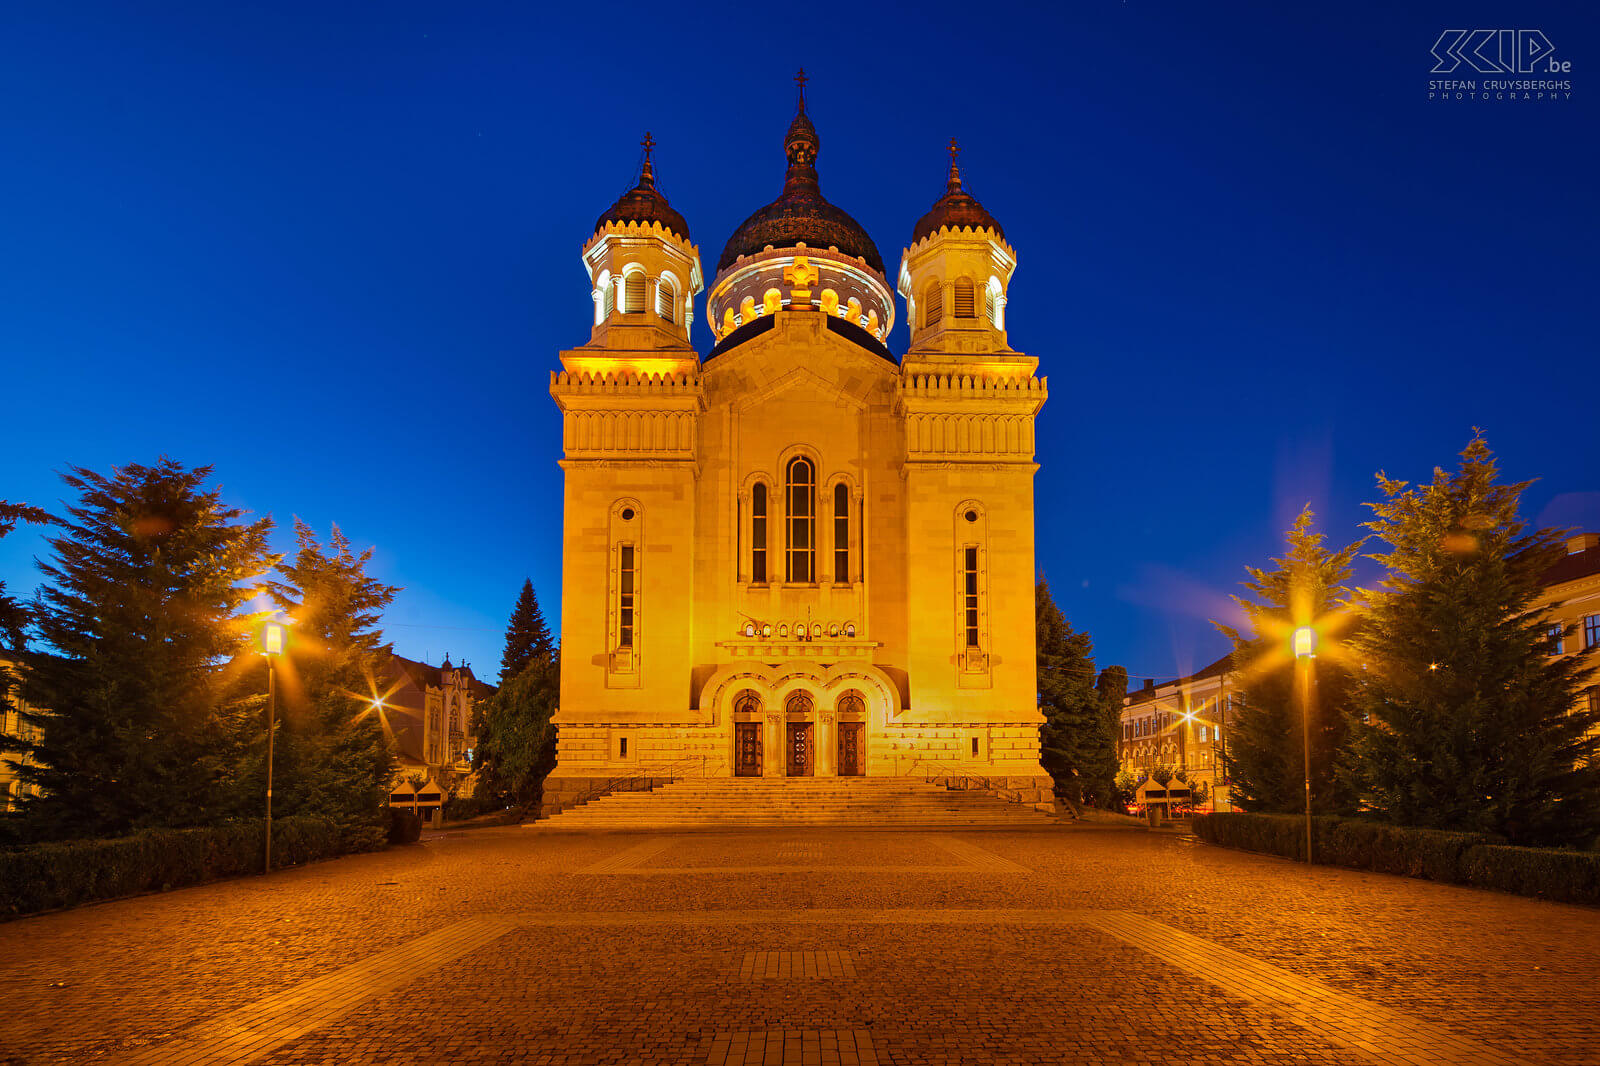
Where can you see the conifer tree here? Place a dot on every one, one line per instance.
(1076, 747)
(527, 635)
(140, 610)
(515, 740)
(1265, 756)
(1463, 719)
(332, 757)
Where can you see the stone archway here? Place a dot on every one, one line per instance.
(749, 746)
(851, 730)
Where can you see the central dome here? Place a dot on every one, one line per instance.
(801, 214)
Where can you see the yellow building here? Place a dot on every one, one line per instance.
(798, 555)
(12, 723)
(428, 715)
(1571, 601)
(1181, 724)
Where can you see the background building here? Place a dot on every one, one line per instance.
(800, 556)
(428, 711)
(1181, 724)
(1571, 600)
(13, 724)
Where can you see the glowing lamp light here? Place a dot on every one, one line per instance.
(1304, 643)
(272, 638)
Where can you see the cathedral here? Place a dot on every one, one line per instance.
(799, 555)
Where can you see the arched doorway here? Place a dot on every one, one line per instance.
(852, 715)
(800, 751)
(747, 739)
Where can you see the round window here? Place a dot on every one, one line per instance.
(627, 514)
(972, 516)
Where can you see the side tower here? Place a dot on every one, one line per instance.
(631, 404)
(968, 403)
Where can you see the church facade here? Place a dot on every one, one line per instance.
(799, 555)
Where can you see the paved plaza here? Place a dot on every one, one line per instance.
(1074, 944)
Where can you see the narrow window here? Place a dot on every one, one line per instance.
(758, 534)
(974, 747)
(1591, 630)
(802, 498)
(841, 533)
(964, 299)
(608, 299)
(932, 305)
(625, 598)
(633, 293)
(622, 747)
(1553, 638)
(970, 568)
(988, 304)
(666, 301)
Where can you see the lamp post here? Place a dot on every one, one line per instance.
(1304, 647)
(271, 647)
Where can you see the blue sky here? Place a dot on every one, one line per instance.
(332, 249)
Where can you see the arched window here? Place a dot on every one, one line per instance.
(758, 533)
(608, 298)
(851, 703)
(965, 307)
(633, 286)
(666, 300)
(932, 304)
(988, 305)
(747, 703)
(841, 533)
(801, 491)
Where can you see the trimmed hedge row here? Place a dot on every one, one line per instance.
(1456, 858)
(47, 876)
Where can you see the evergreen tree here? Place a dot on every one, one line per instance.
(14, 615)
(1463, 719)
(139, 613)
(516, 746)
(527, 635)
(1076, 747)
(332, 757)
(1265, 756)
(1111, 689)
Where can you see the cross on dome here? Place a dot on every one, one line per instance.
(800, 80)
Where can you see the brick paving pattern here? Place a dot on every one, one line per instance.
(1103, 947)
(787, 964)
(793, 1047)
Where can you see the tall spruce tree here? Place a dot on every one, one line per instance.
(1265, 754)
(140, 611)
(515, 741)
(1110, 689)
(332, 757)
(1463, 720)
(527, 635)
(1076, 747)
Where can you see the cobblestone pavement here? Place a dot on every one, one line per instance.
(1073, 945)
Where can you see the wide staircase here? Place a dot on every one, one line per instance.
(753, 802)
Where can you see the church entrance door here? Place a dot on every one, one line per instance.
(801, 762)
(747, 749)
(852, 752)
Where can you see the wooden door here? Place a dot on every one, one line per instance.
(747, 749)
(852, 750)
(800, 754)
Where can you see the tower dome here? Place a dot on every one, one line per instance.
(644, 202)
(957, 209)
(801, 214)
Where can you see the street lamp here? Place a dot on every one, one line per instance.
(272, 635)
(1303, 643)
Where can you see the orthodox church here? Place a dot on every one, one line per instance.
(799, 555)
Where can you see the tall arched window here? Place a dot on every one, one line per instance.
(965, 299)
(932, 304)
(988, 305)
(801, 489)
(608, 298)
(758, 533)
(841, 533)
(633, 286)
(666, 300)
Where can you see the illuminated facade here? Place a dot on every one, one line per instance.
(1571, 602)
(12, 723)
(1181, 724)
(798, 555)
(428, 714)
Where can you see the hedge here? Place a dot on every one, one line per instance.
(48, 876)
(1457, 858)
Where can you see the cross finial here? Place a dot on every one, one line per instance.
(955, 171)
(647, 172)
(649, 142)
(955, 150)
(800, 80)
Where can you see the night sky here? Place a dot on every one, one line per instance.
(333, 250)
